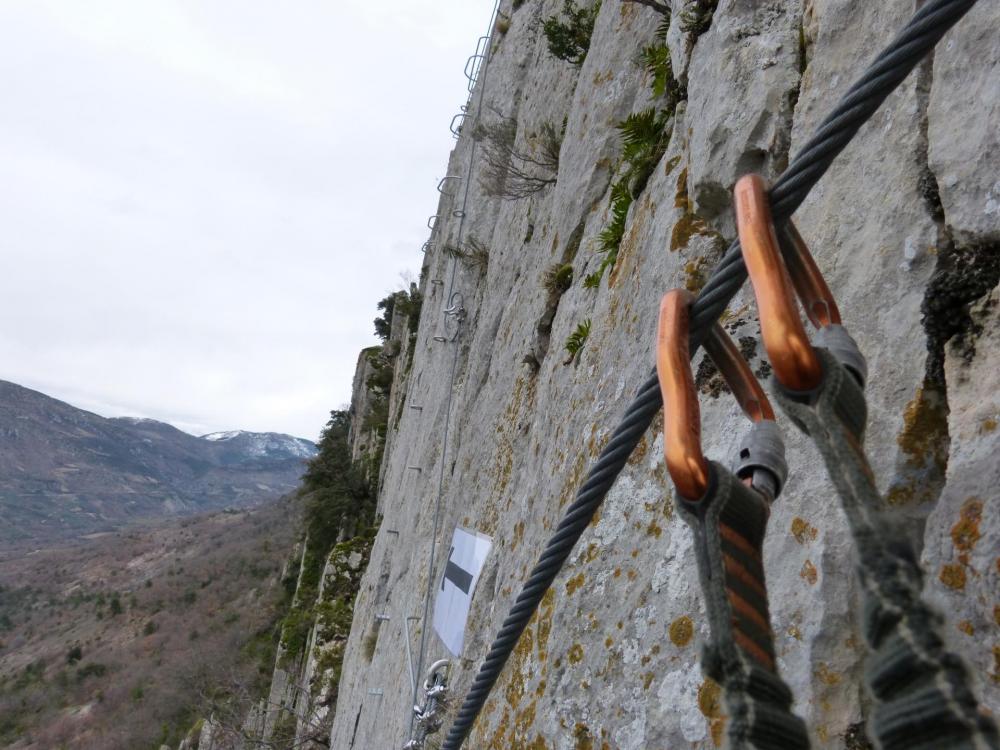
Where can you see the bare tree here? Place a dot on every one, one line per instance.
(229, 714)
(513, 173)
(658, 7)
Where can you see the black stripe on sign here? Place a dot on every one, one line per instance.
(459, 576)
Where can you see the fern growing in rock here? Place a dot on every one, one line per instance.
(577, 339)
(645, 138)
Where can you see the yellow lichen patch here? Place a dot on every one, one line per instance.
(647, 680)
(965, 533)
(608, 642)
(709, 699)
(687, 227)
(525, 719)
(803, 531)
(988, 425)
(518, 534)
(716, 727)
(681, 631)
(545, 613)
(574, 583)
(672, 162)
(966, 627)
(640, 452)
(632, 575)
(617, 573)
(681, 199)
(540, 690)
(953, 576)
(924, 441)
(649, 657)
(694, 274)
(498, 741)
(592, 552)
(601, 78)
(582, 738)
(794, 632)
(654, 529)
(808, 573)
(826, 675)
(710, 705)
(575, 653)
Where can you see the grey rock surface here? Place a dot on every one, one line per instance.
(611, 659)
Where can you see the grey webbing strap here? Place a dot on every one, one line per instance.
(921, 690)
(729, 525)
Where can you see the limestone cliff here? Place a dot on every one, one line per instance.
(906, 228)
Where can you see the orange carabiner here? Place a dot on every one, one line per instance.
(795, 363)
(681, 416)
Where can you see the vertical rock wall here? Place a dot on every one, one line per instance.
(905, 226)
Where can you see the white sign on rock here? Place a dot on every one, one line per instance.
(458, 583)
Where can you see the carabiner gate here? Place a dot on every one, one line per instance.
(685, 460)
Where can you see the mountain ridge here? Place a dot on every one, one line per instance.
(66, 471)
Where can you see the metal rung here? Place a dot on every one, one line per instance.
(472, 69)
(444, 179)
(437, 281)
(376, 691)
(432, 222)
(442, 339)
(458, 213)
(427, 246)
(392, 531)
(456, 129)
(418, 408)
(383, 618)
(416, 468)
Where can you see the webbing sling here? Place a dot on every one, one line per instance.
(921, 690)
(729, 522)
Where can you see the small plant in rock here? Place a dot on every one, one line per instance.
(568, 35)
(577, 339)
(696, 18)
(473, 254)
(503, 24)
(558, 278)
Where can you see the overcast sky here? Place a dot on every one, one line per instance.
(201, 202)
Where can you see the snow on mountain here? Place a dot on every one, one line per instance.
(265, 444)
(216, 436)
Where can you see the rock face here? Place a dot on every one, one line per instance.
(65, 471)
(905, 227)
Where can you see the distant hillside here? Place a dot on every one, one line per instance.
(112, 643)
(66, 472)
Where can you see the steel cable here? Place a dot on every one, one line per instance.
(896, 61)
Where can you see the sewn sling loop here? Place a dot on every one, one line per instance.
(728, 513)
